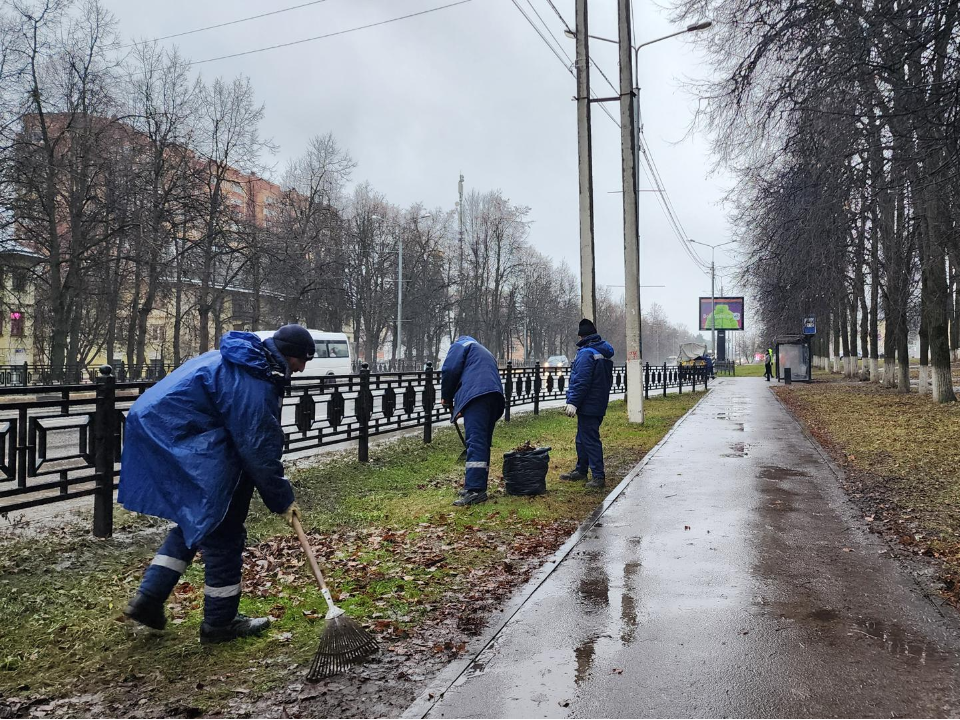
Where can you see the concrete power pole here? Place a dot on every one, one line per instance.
(588, 278)
(631, 221)
(713, 309)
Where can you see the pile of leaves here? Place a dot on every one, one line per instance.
(525, 447)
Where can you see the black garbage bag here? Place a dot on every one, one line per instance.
(525, 473)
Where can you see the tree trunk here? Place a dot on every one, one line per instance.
(844, 339)
(923, 388)
(178, 307)
(955, 320)
(143, 314)
(889, 350)
(934, 270)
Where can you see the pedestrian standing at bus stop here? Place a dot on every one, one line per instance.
(591, 377)
(470, 387)
(196, 445)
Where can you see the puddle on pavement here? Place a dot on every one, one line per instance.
(585, 653)
(628, 604)
(594, 586)
(895, 640)
(824, 615)
(778, 498)
(739, 450)
(777, 473)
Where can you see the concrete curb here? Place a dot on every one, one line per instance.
(447, 677)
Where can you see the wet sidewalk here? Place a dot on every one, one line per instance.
(731, 577)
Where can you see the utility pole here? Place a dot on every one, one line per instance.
(713, 308)
(455, 326)
(631, 220)
(588, 279)
(396, 352)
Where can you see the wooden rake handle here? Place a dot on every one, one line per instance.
(310, 556)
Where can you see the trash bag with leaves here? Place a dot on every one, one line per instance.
(525, 470)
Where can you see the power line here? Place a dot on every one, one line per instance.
(330, 35)
(648, 166)
(566, 27)
(549, 32)
(224, 24)
(567, 67)
(543, 37)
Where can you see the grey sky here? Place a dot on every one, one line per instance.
(472, 89)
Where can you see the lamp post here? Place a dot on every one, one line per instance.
(713, 292)
(397, 344)
(630, 149)
(630, 154)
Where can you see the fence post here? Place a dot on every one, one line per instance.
(104, 434)
(537, 385)
(429, 395)
(664, 378)
(26, 369)
(680, 379)
(363, 414)
(706, 379)
(509, 393)
(646, 381)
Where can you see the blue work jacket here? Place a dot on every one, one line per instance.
(469, 371)
(591, 376)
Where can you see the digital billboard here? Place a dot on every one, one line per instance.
(729, 313)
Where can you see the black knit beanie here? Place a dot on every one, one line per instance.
(295, 341)
(586, 328)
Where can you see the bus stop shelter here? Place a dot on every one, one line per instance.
(793, 353)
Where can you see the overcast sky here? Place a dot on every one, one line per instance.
(473, 89)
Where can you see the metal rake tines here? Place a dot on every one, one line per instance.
(343, 643)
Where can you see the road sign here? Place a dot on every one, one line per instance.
(810, 325)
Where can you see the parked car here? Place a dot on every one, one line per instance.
(557, 361)
(333, 355)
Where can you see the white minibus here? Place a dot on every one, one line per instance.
(333, 356)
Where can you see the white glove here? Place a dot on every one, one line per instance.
(570, 410)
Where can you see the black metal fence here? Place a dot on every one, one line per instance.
(65, 442)
(24, 374)
(395, 366)
(27, 375)
(725, 367)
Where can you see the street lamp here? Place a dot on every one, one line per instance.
(631, 197)
(630, 135)
(397, 344)
(713, 292)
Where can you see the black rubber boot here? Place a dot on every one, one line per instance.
(241, 626)
(471, 498)
(574, 475)
(147, 612)
(596, 484)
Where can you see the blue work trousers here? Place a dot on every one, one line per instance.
(223, 561)
(589, 447)
(479, 418)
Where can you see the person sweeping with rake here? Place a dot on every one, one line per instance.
(196, 445)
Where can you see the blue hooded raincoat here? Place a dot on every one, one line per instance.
(189, 437)
(469, 371)
(591, 377)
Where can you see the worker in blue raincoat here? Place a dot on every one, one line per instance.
(591, 377)
(196, 445)
(471, 388)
